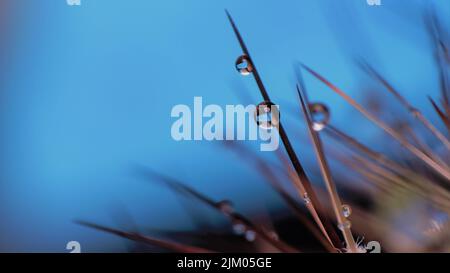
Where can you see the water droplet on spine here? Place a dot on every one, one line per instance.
(320, 116)
(244, 65)
(239, 228)
(345, 225)
(250, 235)
(306, 198)
(346, 211)
(267, 115)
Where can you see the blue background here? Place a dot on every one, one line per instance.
(87, 91)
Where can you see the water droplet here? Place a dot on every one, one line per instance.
(320, 115)
(239, 228)
(346, 211)
(306, 198)
(244, 65)
(267, 115)
(438, 222)
(250, 235)
(345, 225)
(225, 206)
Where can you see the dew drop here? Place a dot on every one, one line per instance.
(346, 211)
(345, 225)
(225, 206)
(267, 115)
(320, 116)
(306, 198)
(438, 222)
(244, 65)
(250, 235)
(239, 228)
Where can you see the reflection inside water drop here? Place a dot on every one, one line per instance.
(244, 65)
(267, 115)
(320, 115)
(346, 211)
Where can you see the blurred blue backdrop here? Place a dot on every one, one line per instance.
(87, 91)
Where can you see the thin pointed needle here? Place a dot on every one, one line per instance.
(330, 185)
(287, 144)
